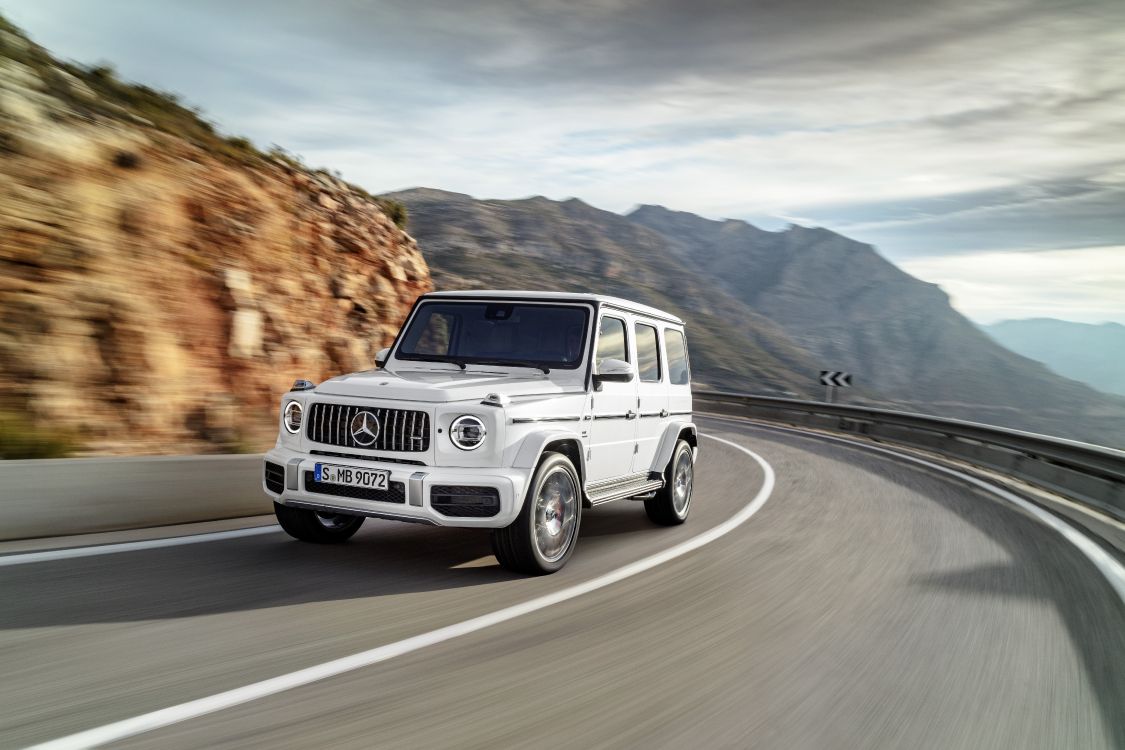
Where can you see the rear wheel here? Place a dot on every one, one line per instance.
(672, 502)
(316, 527)
(542, 537)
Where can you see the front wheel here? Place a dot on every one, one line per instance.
(318, 528)
(672, 502)
(542, 537)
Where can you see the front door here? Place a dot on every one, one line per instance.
(613, 429)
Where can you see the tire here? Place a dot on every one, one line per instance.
(318, 528)
(543, 536)
(672, 502)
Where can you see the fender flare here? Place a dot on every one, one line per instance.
(668, 444)
(532, 445)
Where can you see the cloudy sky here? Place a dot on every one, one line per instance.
(978, 143)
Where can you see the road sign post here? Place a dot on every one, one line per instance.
(833, 379)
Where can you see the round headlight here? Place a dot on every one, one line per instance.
(291, 416)
(467, 432)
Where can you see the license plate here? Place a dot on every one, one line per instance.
(352, 476)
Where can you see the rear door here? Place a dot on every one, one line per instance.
(614, 425)
(679, 373)
(652, 393)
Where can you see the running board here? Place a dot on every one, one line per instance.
(619, 490)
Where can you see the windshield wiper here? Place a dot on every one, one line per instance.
(512, 363)
(443, 360)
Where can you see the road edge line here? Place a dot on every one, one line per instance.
(67, 553)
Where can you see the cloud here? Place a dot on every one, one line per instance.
(1064, 213)
(948, 127)
(1077, 284)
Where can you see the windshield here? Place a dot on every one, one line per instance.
(508, 333)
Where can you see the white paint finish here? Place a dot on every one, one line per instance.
(110, 549)
(174, 714)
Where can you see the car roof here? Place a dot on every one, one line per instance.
(597, 299)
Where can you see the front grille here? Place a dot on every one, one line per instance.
(399, 429)
(396, 493)
(464, 501)
(275, 478)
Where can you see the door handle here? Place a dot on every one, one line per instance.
(663, 413)
(630, 414)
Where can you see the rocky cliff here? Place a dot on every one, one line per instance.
(161, 285)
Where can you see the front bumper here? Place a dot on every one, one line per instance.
(510, 485)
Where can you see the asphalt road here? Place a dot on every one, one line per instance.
(867, 604)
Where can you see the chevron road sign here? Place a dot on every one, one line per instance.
(835, 378)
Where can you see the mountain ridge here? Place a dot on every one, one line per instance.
(568, 245)
(766, 309)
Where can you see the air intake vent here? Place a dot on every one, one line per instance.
(369, 428)
(275, 478)
(396, 493)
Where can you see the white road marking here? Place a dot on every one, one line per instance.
(24, 558)
(174, 714)
(1107, 565)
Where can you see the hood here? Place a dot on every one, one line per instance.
(442, 386)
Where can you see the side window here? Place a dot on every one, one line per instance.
(611, 340)
(678, 371)
(648, 353)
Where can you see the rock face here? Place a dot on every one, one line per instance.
(158, 297)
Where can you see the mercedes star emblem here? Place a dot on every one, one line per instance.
(364, 428)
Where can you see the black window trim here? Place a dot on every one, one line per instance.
(659, 354)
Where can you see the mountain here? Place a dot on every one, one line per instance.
(766, 310)
(1092, 354)
(161, 285)
(540, 244)
(854, 310)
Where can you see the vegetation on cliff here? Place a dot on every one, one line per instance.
(96, 91)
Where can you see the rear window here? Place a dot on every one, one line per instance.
(648, 353)
(678, 371)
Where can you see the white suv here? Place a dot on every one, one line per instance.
(511, 411)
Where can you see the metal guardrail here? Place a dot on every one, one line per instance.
(1089, 474)
(64, 496)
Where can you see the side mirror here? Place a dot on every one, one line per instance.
(613, 371)
(381, 356)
